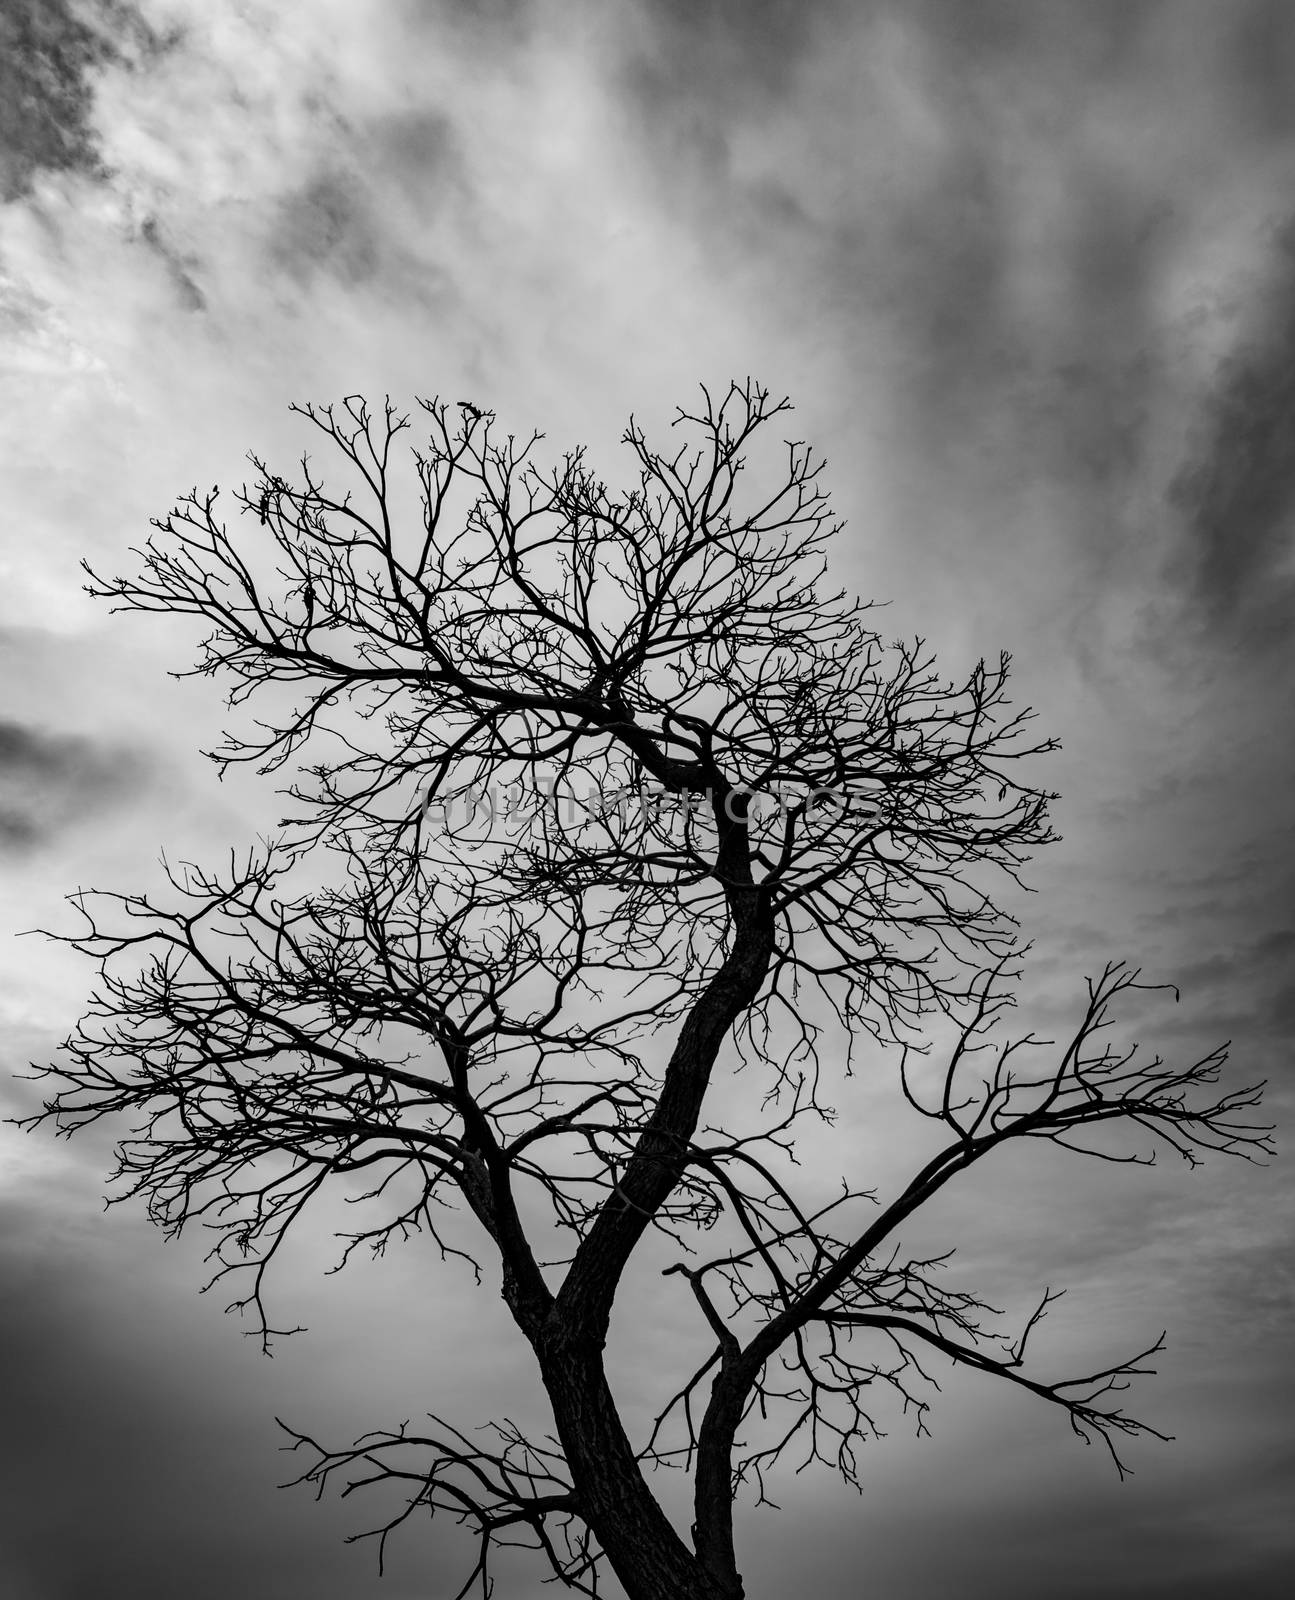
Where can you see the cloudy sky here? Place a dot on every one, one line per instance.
(1027, 269)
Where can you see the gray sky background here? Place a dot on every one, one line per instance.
(1028, 271)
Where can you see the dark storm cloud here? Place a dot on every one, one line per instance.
(49, 50)
(110, 1435)
(730, 52)
(1016, 260)
(1062, 388)
(48, 781)
(45, 53)
(1236, 491)
(935, 248)
(140, 1453)
(1212, 1533)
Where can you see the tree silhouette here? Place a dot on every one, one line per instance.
(612, 838)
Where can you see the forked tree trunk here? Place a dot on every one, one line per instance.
(643, 1548)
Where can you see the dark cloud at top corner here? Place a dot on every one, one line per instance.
(49, 51)
(45, 52)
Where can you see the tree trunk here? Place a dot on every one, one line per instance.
(643, 1548)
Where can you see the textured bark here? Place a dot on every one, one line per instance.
(713, 1484)
(643, 1548)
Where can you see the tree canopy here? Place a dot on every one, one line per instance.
(615, 839)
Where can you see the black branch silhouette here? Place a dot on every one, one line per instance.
(508, 1036)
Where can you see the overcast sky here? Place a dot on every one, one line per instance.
(1027, 270)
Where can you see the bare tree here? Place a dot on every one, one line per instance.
(783, 849)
